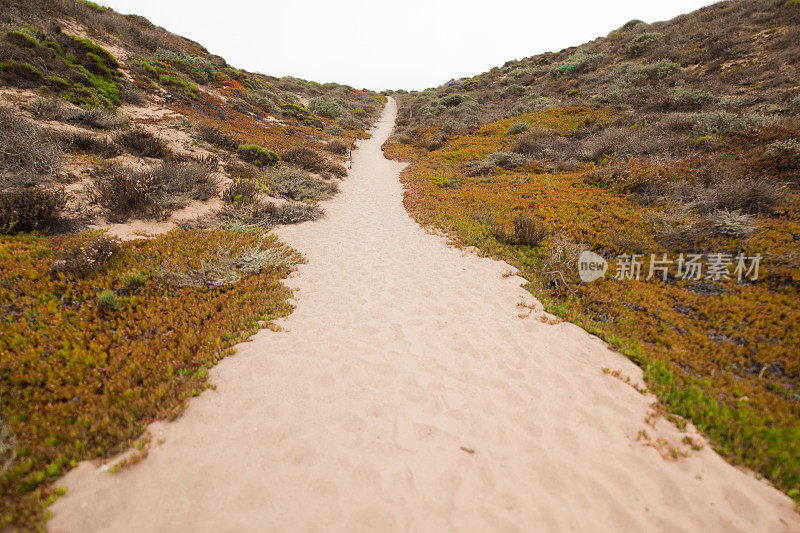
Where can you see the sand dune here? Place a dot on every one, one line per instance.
(406, 393)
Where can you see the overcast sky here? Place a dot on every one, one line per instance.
(404, 44)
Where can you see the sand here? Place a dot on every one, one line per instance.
(407, 393)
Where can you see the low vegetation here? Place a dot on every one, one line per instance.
(31, 208)
(257, 155)
(142, 143)
(124, 193)
(295, 184)
(27, 155)
(312, 161)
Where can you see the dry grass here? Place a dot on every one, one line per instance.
(27, 155)
(295, 184)
(262, 214)
(142, 143)
(86, 258)
(124, 193)
(219, 138)
(241, 192)
(748, 196)
(336, 146)
(88, 144)
(312, 161)
(26, 209)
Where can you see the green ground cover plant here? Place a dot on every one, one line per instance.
(74, 67)
(99, 339)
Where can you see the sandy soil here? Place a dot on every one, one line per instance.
(406, 392)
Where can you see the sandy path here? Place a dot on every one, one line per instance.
(407, 394)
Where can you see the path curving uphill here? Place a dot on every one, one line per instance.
(407, 393)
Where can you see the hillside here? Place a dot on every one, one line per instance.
(139, 176)
(672, 150)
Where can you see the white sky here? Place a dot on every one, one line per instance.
(404, 44)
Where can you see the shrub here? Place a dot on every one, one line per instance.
(8, 447)
(448, 183)
(453, 100)
(123, 193)
(98, 118)
(20, 74)
(337, 147)
(688, 100)
(350, 122)
(334, 129)
(81, 142)
(518, 127)
(142, 143)
(527, 232)
(164, 75)
(263, 102)
(243, 171)
(513, 91)
(210, 161)
(679, 122)
(181, 182)
(76, 68)
(311, 161)
(563, 256)
(241, 192)
(21, 39)
(31, 209)
(85, 258)
(217, 137)
(506, 160)
(134, 280)
(94, 6)
(787, 149)
(642, 42)
(296, 212)
(732, 223)
(302, 115)
(257, 155)
(27, 155)
(631, 73)
(262, 214)
(107, 300)
(229, 268)
(297, 185)
(131, 94)
(533, 141)
(453, 126)
(325, 107)
(577, 62)
(55, 109)
(518, 73)
(48, 108)
(721, 122)
(200, 66)
(631, 24)
(748, 196)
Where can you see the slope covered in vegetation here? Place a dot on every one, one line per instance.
(679, 138)
(110, 125)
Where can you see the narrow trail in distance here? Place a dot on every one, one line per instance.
(406, 393)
